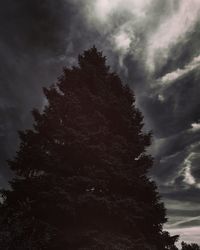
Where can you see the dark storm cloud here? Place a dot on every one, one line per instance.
(191, 193)
(171, 108)
(35, 35)
(38, 38)
(172, 121)
(185, 213)
(178, 109)
(38, 26)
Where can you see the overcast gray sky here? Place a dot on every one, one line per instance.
(153, 45)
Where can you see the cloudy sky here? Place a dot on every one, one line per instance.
(153, 45)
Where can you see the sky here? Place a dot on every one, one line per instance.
(152, 44)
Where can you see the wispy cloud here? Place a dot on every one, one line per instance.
(172, 76)
(172, 29)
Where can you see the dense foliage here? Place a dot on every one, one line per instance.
(81, 172)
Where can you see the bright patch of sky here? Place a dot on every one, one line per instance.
(169, 31)
(195, 126)
(122, 41)
(188, 177)
(103, 8)
(173, 28)
(188, 234)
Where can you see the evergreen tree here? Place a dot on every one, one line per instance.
(81, 172)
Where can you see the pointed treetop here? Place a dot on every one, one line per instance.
(93, 57)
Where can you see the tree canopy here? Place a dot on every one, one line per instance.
(81, 171)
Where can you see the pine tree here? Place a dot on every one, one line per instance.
(81, 172)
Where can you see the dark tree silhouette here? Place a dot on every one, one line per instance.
(81, 172)
(192, 246)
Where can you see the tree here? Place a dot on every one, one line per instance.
(192, 246)
(81, 172)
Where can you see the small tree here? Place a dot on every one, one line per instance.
(82, 170)
(192, 246)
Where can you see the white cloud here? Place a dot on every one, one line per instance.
(103, 8)
(122, 40)
(195, 126)
(161, 98)
(172, 76)
(174, 28)
(188, 177)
